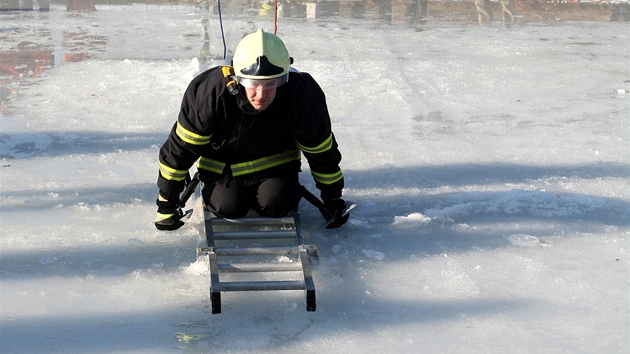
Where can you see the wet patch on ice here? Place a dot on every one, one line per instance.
(23, 145)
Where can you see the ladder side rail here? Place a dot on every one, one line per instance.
(313, 255)
(208, 221)
(309, 285)
(297, 220)
(215, 290)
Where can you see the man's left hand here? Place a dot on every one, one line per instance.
(336, 208)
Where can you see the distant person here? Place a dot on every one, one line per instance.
(484, 11)
(247, 125)
(485, 15)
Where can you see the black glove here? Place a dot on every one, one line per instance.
(168, 216)
(336, 207)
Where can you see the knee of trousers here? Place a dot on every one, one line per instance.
(280, 203)
(226, 205)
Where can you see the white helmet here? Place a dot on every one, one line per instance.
(261, 55)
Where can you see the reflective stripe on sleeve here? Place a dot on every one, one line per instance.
(323, 147)
(327, 178)
(265, 162)
(190, 137)
(172, 174)
(211, 165)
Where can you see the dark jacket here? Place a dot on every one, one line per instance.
(229, 139)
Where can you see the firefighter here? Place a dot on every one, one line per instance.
(246, 125)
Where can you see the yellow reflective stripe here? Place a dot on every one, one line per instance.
(190, 137)
(264, 163)
(327, 178)
(172, 174)
(325, 146)
(211, 165)
(160, 217)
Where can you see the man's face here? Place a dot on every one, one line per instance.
(260, 97)
(261, 92)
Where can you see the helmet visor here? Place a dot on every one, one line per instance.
(265, 84)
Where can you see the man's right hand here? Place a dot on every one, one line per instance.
(168, 216)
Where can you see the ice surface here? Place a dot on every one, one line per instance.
(490, 165)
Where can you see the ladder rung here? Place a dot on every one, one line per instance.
(261, 285)
(259, 267)
(246, 251)
(259, 220)
(248, 235)
(205, 250)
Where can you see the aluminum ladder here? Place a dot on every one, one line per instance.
(271, 253)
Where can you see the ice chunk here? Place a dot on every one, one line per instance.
(374, 254)
(413, 218)
(523, 240)
(198, 267)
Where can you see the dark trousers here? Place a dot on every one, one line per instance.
(274, 197)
